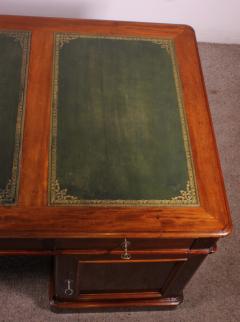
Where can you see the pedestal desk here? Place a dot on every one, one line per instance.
(108, 161)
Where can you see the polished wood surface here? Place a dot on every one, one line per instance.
(174, 273)
(32, 217)
(172, 240)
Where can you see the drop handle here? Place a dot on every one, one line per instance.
(125, 255)
(68, 290)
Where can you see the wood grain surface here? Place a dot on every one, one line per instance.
(33, 218)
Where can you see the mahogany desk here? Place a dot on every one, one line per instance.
(108, 161)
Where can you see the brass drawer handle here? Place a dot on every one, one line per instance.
(125, 246)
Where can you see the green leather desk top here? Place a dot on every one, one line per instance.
(105, 132)
(14, 48)
(119, 135)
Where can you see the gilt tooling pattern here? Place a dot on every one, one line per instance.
(119, 134)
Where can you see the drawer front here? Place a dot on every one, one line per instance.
(117, 244)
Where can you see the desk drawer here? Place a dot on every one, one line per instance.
(116, 244)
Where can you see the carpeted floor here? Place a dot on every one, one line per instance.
(214, 293)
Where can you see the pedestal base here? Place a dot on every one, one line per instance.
(116, 304)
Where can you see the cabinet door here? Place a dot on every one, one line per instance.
(90, 276)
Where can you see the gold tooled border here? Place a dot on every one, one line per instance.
(9, 195)
(58, 196)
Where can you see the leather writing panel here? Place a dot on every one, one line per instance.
(119, 133)
(13, 70)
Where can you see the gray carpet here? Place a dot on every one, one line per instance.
(214, 293)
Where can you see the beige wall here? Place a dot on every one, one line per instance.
(213, 20)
